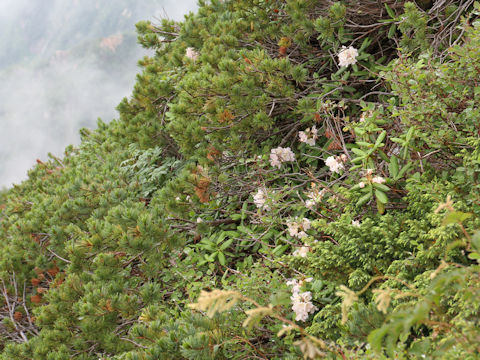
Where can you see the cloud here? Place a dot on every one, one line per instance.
(44, 105)
(43, 109)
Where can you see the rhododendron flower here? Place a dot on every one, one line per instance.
(347, 56)
(192, 54)
(308, 136)
(260, 199)
(301, 302)
(361, 184)
(302, 305)
(295, 285)
(306, 224)
(336, 163)
(314, 196)
(297, 229)
(280, 155)
(292, 229)
(378, 180)
(302, 251)
(301, 234)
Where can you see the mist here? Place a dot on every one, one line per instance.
(67, 73)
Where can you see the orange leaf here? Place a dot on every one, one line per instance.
(53, 271)
(225, 115)
(36, 299)
(329, 134)
(108, 306)
(335, 145)
(213, 153)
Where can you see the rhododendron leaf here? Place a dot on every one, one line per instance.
(359, 152)
(390, 11)
(380, 207)
(474, 256)
(358, 159)
(393, 166)
(221, 258)
(392, 30)
(280, 249)
(380, 138)
(381, 196)
(226, 244)
(403, 170)
(381, 187)
(364, 199)
(476, 241)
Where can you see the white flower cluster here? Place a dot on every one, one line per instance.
(309, 136)
(302, 251)
(280, 155)
(192, 54)
(336, 163)
(378, 180)
(314, 197)
(301, 302)
(297, 229)
(371, 180)
(348, 56)
(260, 199)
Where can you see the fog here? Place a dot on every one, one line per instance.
(63, 64)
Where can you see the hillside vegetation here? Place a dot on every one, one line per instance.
(289, 179)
